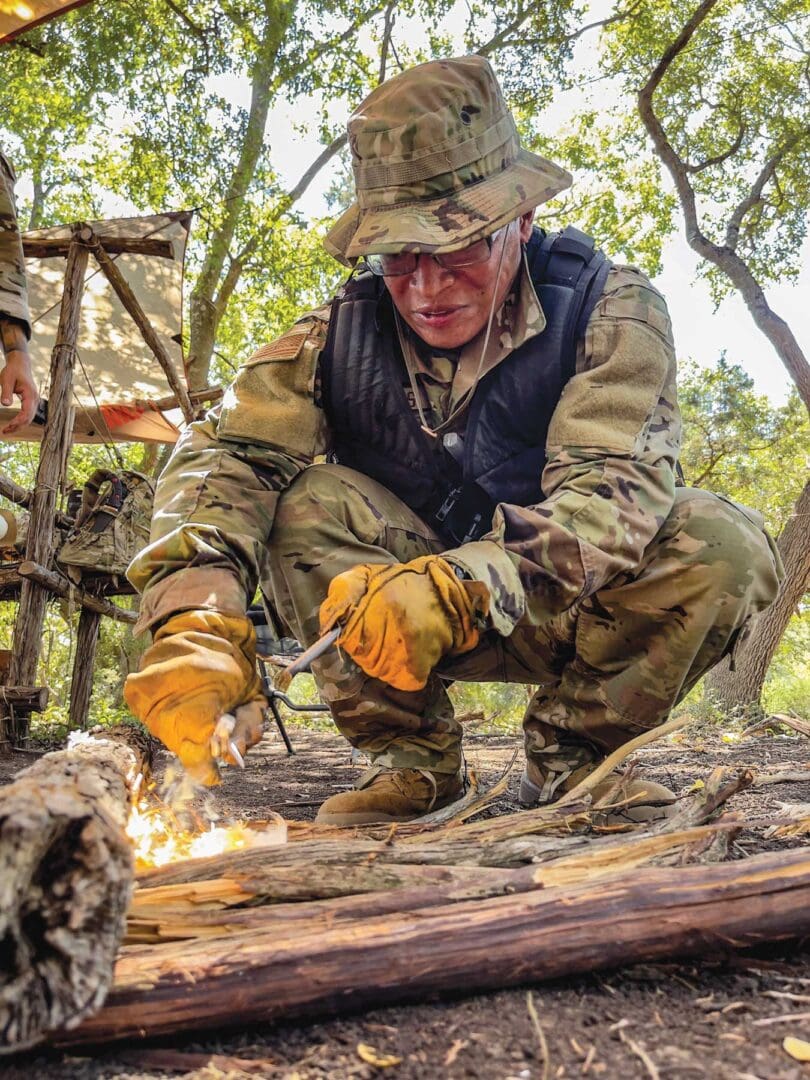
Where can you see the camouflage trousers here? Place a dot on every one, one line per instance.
(607, 669)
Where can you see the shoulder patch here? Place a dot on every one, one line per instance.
(287, 347)
(620, 307)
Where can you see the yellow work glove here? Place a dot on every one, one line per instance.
(399, 621)
(200, 665)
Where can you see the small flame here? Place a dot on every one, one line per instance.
(159, 838)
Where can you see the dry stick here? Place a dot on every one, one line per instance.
(641, 1053)
(793, 722)
(612, 761)
(641, 915)
(500, 842)
(541, 1036)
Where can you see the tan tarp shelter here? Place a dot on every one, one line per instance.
(19, 15)
(117, 378)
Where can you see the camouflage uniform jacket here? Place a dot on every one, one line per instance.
(13, 295)
(612, 446)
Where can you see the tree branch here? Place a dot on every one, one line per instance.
(725, 258)
(326, 155)
(754, 196)
(386, 41)
(310, 58)
(499, 40)
(185, 18)
(718, 159)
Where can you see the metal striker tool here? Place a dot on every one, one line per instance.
(221, 741)
(302, 662)
(274, 692)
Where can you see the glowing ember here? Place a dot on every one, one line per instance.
(158, 838)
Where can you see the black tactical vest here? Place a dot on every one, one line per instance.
(456, 482)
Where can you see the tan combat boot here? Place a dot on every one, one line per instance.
(383, 794)
(643, 801)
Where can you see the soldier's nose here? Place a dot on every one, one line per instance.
(428, 276)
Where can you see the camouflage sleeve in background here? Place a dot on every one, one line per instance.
(609, 481)
(13, 294)
(216, 499)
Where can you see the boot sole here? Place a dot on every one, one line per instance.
(362, 819)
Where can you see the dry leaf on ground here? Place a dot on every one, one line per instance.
(797, 1048)
(371, 1057)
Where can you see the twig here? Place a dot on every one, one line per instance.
(615, 759)
(789, 776)
(541, 1037)
(792, 722)
(641, 1054)
(783, 1019)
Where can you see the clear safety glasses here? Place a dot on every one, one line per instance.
(404, 262)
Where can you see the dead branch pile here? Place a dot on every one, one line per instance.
(334, 921)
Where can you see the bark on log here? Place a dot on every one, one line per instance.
(644, 915)
(221, 905)
(203, 897)
(65, 882)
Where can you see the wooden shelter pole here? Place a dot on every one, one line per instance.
(50, 477)
(141, 320)
(81, 682)
(55, 582)
(12, 491)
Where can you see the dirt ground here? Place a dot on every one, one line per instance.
(720, 1017)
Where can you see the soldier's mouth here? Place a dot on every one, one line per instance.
(436, 317)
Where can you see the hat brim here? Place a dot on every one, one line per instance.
(451, 221)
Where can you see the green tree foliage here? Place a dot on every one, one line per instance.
(734, 103)
(737, 443)
(193, 100)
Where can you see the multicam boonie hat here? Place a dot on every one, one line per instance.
(437, 163)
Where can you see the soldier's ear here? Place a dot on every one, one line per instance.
(526, 221)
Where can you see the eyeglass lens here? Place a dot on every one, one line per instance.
(404, 262)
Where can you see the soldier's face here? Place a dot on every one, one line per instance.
(448, 308)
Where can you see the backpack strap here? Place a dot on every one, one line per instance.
(570, 259)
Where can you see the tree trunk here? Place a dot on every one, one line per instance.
(741, 689)
(65, 881)
(81, 680)
(259, 977)
(204, 311)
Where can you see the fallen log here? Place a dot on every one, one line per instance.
(644, 915)
(65, 882)
(261, 899)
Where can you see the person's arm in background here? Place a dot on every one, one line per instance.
(15, 321)
(609, 482)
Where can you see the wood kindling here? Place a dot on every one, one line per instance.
(329, 965)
